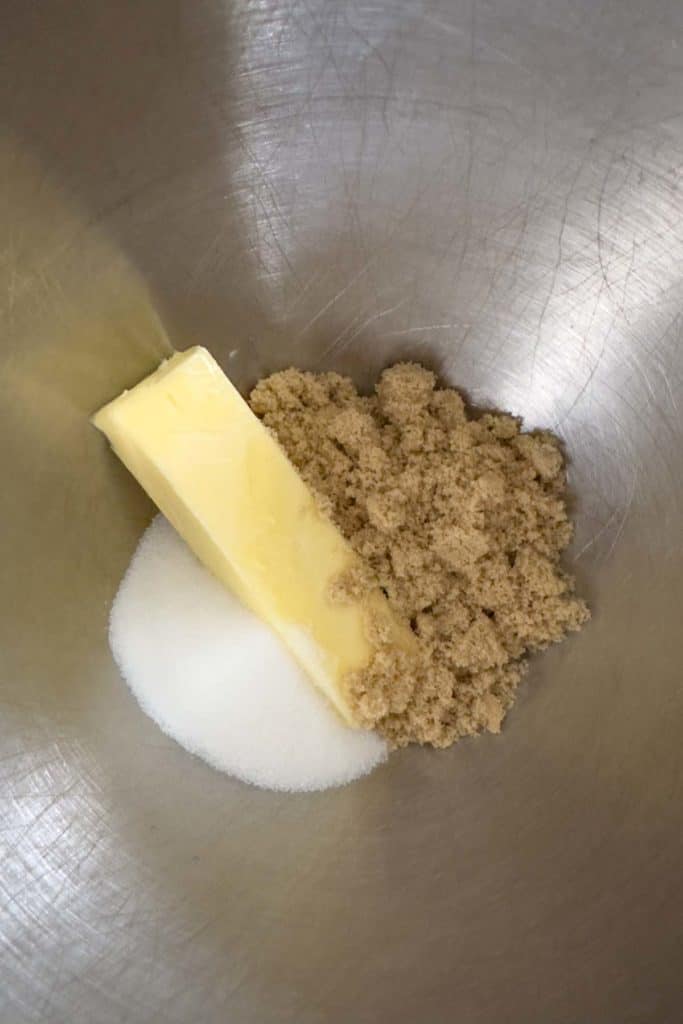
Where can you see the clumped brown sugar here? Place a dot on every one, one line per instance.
(461, 521)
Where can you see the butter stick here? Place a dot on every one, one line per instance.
(230, 491)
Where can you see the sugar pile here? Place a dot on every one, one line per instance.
(218, 681)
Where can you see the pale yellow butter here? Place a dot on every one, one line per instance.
(228, 488)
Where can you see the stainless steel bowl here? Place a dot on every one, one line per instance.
(493, 188)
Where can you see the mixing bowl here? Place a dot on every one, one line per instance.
(493, 188)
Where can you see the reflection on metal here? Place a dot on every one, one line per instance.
(493, 189)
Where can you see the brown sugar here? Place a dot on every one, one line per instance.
(461, 521)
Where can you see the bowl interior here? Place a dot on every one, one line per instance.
(493, 190)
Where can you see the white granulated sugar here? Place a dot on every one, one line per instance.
(220, 682)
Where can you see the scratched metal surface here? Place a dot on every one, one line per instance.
(492, 187)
